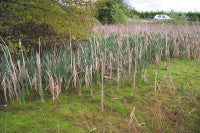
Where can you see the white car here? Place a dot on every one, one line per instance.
(162, 17)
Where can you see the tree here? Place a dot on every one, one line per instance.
(110, 12)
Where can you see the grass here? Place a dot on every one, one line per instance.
(175, 110)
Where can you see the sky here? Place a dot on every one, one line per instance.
(166, 5)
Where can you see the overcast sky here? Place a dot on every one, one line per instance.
(166, 5)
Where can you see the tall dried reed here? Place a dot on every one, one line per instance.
(123, 51)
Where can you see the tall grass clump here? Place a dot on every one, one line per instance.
(120, 53)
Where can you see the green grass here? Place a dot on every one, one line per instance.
(177, 111)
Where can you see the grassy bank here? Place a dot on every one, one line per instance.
(170, 106)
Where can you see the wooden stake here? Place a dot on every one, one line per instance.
(155, 90)
(102, 92)
(135, 72)
(118, 60)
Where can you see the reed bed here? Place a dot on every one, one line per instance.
(117, 53)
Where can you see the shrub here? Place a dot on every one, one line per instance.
(48, 20)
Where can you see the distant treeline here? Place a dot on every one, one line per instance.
(191, 16)
(117, 11)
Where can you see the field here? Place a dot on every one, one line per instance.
(141, 77)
